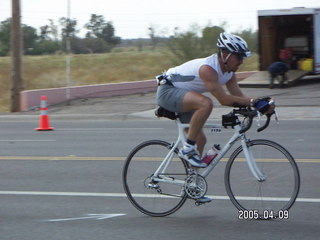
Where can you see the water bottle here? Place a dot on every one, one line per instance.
(211, 154)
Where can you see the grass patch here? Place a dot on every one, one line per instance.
(50, 71)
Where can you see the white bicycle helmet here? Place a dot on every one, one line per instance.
(233, 44)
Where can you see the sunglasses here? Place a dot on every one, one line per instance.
(239, 57)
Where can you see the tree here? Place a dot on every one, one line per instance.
(44, 32)
(95, 26)
(69, 27)
(108, 35)
(30, 38)
(208, 40)
(48, 42)
(54, 32)
(29, 35)
(43, 46)
(251, 37)
(89, 45)
(5, 30)
(99, 28)
(185, 46)
(153, 36)
(68, 32)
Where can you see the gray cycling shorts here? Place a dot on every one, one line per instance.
(171, 98)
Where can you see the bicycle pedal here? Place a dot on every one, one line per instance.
(153, 186)
(197, 203)
(202, 200)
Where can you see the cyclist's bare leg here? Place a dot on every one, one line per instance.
(201, 141)
(202, 107)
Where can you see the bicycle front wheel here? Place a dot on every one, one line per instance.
(268, 198)
(151, 197)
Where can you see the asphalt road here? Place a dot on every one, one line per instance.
(66, 184)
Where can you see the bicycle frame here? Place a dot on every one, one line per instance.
(162, 187)
(181, 139)
(165, 163)
(248, 154)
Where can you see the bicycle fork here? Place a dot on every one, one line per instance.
(251, 161)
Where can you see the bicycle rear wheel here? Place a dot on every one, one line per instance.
(270, 198)
(148, 196)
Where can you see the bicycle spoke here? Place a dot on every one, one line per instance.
(268, 197)
(154, 195)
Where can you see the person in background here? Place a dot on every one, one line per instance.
(278, 69)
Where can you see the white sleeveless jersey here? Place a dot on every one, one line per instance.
(186, 76)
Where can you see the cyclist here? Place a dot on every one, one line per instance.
(182, 88)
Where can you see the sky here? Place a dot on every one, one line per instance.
(132, 18)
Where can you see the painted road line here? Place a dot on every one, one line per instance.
(28, 140)
(95, 194)
(88, 216)
(60, 158)
(106, 129)
(67, 194)
(77, 158)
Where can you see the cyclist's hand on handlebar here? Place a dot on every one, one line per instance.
(265, 105)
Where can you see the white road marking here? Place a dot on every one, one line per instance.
(106, 129)
(73, 194)
(61, 158)
(89, 158)
(88, 216)
(28, 140)
(93, 194)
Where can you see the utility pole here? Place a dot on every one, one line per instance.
(68, 58)
(16, 55)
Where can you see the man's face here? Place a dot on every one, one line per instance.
(234, 62)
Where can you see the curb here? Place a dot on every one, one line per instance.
(31, 99)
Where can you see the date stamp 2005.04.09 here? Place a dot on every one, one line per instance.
(266, 214)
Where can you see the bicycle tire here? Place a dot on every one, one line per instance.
(138, 169)
(267, 199)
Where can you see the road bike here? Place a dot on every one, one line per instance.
(261, 177)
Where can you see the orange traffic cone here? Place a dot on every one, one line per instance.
(44, 124)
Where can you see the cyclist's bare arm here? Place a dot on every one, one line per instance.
(210, 78)
(233, 87)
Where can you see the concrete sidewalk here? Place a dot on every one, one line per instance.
(298, 102)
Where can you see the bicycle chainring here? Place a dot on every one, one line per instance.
(195, 186)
